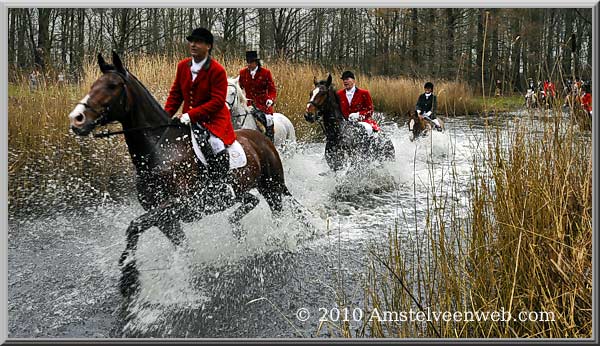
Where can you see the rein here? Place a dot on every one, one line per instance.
(105, 134)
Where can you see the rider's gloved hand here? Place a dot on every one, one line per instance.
(354, 116)
(269, 103)
(183, 118)
(428, 114)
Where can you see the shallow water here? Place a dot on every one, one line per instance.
(63, 272)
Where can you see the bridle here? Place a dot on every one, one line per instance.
(233, 103)
(123, 101)
(235, 97)
(320, 107)
(103, 113)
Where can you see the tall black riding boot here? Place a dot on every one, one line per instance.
(270, 132)
(220, 179)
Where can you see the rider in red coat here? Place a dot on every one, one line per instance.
(586, 99)
(549, 88)
(258, 84)
(203, 96)
(201, 85)
(356, 104)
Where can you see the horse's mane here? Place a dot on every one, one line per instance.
(146, 94)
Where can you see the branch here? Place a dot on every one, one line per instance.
(583, 17)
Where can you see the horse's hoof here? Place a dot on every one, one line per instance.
(130, 282)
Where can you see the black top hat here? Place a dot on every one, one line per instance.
(428, 85)
(201, 34)
(348, 74)
(251, 56)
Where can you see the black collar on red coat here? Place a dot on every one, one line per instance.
(206, 65)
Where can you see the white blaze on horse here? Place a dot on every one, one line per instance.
(172, 186)
(243, 116)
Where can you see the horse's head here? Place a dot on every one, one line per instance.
(319, 98)
(107, 100)
(233, 93)
(417, 125)
(237, 102)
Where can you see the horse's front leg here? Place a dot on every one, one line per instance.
(249, 202)
(159, 217)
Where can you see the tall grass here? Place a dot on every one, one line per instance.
(50, 168)
(525, 245)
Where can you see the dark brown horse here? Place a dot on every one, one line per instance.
(171, 182)
(420, 126)
(346, 141)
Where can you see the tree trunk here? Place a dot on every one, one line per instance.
(43, 42)
(450, 23)
(12, 37)
(123, 34)
(480, 32)
(414, 44)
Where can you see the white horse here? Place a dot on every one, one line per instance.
(243, 117)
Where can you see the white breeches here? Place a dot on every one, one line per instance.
(367, 127)
(216, 143)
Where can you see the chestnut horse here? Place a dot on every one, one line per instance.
(420, 126)
(171, 182)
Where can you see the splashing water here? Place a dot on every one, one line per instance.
(292, 261)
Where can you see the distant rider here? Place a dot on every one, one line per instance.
(427, 105)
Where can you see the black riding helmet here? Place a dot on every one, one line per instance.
(203, 35)
(428, 85)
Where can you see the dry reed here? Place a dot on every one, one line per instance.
(525, 246)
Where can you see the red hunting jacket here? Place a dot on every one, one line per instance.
(586, 102)
(259, 89)
(549, 87)
(361, 103)
(204, 98)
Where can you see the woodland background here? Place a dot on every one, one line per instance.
(510, 45)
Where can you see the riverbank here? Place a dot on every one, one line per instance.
(520, 247)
